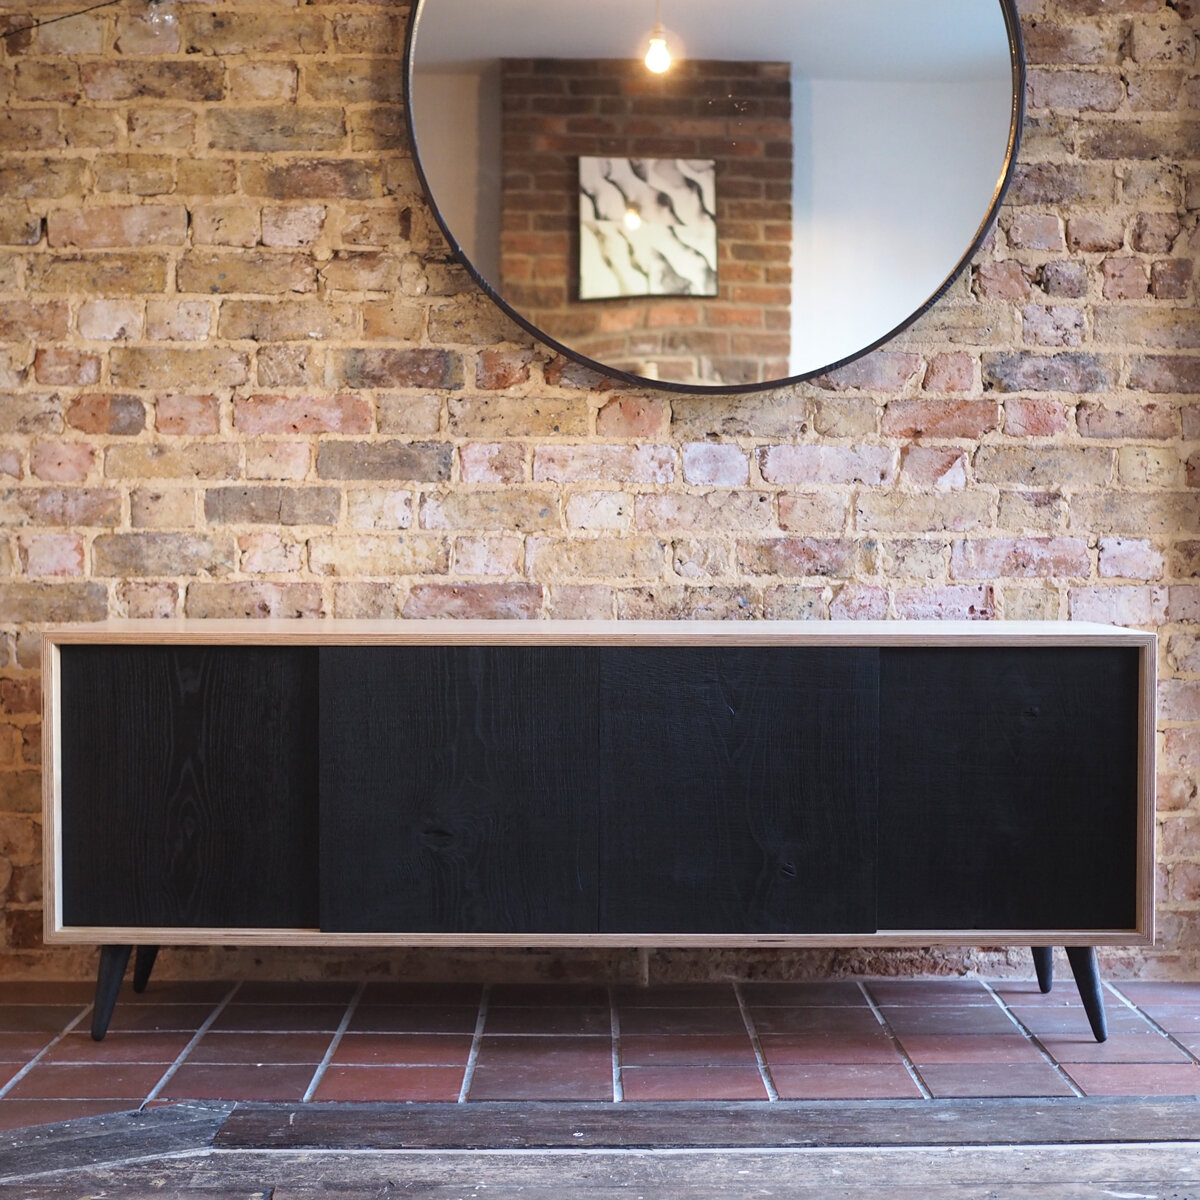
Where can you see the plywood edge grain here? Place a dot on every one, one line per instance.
(884, 939)
(334, 632)
(51, 789)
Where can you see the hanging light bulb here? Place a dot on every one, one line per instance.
(658, 57)
(633, 218)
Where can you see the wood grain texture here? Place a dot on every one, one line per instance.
(189, 779)
(1010, 778)
(457, 789)
(738, 789)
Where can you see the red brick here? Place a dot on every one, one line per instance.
(940, 418)
(104, 413)
(344, 412)
(61, 462)
(66, 368)
(475, 600)
(123, 225)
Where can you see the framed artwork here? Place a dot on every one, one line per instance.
(647, 227)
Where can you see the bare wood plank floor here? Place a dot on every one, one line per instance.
(984, 1150)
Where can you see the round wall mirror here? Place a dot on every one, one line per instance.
(778, 188)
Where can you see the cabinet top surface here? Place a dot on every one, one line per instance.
(451, 632)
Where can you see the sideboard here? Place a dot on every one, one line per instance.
(543, 783)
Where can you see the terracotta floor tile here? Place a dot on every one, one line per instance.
(18, 1114)
(8, 1070)
(119, 1047)
(390, 1083)
(680, 1020)
(532, 1082)
(841, 1019)
(245, 1081)
(88, 1081)
(414, 1018)
(945, 1080)
(21, 1047)
(33, 991)
(693, 1083)
(1020, 991)
(1120, 1048)
(546, 1054)
(401, 992)
(547, 1019)
(37, 1018)
(1012, 1047)
(183, 991)
(216, 1047)
(1174, 1018)
(403, 1049)
(923, 993)
(1056, 1020)
(675, 995)
(1136, 1079)
(947, 1019)
(265, 991)
(280, 1018)
(692, 1050)
(1189, 1041)
(152, 1018)
(783, 1049)
(1153, 991)
(506, 995)
(804, 993)
(852, 1081)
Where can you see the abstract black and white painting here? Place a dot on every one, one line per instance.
(647, 227)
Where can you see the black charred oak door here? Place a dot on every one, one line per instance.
(566, 790)
(739, 789)
(1008, 794)
(189, 785)
(457, 789)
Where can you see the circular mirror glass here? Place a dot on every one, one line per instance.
(778, 188)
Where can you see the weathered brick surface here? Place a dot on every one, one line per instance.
(240, 376)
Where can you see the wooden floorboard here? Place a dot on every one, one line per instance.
(1165, 1171)
(709, 1124)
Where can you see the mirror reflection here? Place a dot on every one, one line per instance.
(770, 189)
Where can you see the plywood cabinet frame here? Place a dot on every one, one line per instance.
(547, 633)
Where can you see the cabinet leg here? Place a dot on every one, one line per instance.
(1087, 979)
(1043, 964)
(143, 964)
(113, 961)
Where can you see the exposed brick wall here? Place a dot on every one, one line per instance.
(238, 375)
(739, 115)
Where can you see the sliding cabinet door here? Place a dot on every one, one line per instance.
(738, 789)
(188, 786)
(1009, 788)
(458, 789)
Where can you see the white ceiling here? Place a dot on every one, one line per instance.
(825, 39)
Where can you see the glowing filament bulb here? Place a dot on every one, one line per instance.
(633, 218)
(658, 57)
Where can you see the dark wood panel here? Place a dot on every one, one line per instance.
(739, 789)
(1009, 798)
(458, 789)
(189, 785)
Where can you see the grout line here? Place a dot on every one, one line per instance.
(331, 1049)
(156, 1090)
(473, 1056)
(37, 1058)
(614, 1025)
(1033, 1040)
(1145, 1016)
(763, 1069)
(910, 1066)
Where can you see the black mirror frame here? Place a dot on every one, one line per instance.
(1016, 49)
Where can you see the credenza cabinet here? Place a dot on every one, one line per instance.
(562, 783)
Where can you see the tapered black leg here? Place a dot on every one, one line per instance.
(113, 961)
(1043, 964)
(143, 964)
(1087, 979)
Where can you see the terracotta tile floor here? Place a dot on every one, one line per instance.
(878, 1039)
